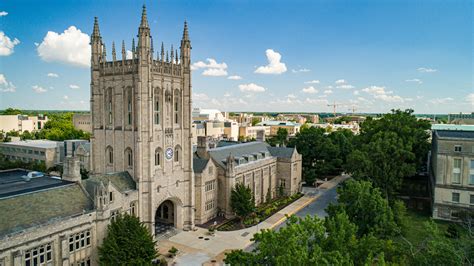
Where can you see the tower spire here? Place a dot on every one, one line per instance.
(185, 31)
(133, 48)
(176, 55)
(104, 53)
(114, 54)
(96, 32)
(162, 51)
(124, 53)
(144, 21)
(172, 54)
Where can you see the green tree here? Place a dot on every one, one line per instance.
(128, 242)
(242, 201)
(11, 111)
(282, 136)
(385, 161)
(366, 208)
(255, 121)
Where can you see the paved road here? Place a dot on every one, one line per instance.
(316, 207)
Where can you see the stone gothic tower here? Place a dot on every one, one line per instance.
(141, 123)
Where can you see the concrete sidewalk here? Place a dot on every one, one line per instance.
(198, 248)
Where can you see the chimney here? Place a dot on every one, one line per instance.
(203, 147)
(72, 169)
(261, 135)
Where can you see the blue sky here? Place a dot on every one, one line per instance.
(370, 55)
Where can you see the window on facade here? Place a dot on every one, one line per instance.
(129, 156)
(79, 240)
(471, 172)
(157, 158)
(133, 207)
(282, 183)
(471, 199)
(84, 262)
(455, 197)
(210, 204)
(129, 112)
(458, 148)
(110, 112)
(113, 215)
(457, 171)
(40, 255)
(110, 155)
(157, 110)
(111, 196)
(176, 155)
(211, 170)
(210, 185)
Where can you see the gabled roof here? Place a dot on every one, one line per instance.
(121, 180)
(220, 154)
(281, 152)
(41, 207)
(199, 164)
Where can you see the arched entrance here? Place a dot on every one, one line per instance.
(165, 217)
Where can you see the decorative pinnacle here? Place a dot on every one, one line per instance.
(172, 53)
(167, 58)
(133, 45)
(162, 51)
(124, 54)
(185, 32)
(176, 56)
(151, 49)
(96, 32)
(144, 22)
(114, 55)
(104, 51)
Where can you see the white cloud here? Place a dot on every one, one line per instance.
(39, 89)
(5, 85)
(74, 87)
(470, 98)
(381, 94)
(227, 94)
(214, 72)
(200, 97)
(356, 92)
(312, 82)
(340, 81)
(70, 47)
(7, 46)
(275, 66)
(291, 96)
(414, 80)
(327, 91)
(426, 70)
(234, 77)
(345, 86)
(251, 87)
(3, 13)
(53, 75)
(65, 97)
(323, 102)
(300, 70)
(128, 54)
(212, 68)
(310, 90)
(441, 100)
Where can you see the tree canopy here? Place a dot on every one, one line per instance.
(128, 242)
(242, 201)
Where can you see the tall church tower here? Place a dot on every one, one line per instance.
(141, 123)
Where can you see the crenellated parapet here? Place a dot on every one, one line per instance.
(130, 66)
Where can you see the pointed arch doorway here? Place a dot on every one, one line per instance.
(165, 217)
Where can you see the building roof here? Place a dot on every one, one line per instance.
(278, 123)
(123, 181)
(16, 182)
(40, 207)
(455, 134)
(281, 152)
(199, 164)
(452, 127)
(220, 154)
(37, 143)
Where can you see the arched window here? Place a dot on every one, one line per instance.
(109, 99)
(157, 106)
(129, 106)
(158, 157)
(129, 157)
(109, 153)
(177, 106)
(177, 153)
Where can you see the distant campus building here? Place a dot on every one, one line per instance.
(452, 172)
(141, 163)
(22, 123)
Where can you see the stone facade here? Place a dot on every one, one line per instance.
(255, 164)
(82, 122)
(452, 172)
(141, 122)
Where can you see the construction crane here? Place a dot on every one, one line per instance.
(353, 109)
(334, 106)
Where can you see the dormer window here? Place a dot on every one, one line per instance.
(457, 148)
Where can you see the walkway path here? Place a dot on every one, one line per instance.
(198, 248)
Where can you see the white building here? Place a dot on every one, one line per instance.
(208, 114)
